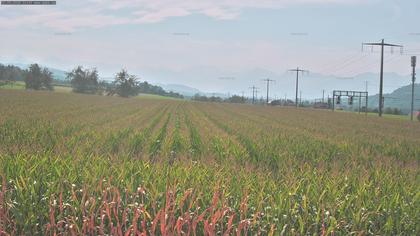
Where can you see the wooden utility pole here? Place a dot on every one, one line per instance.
(268, 85)
(300, 98)
(297, 70)
(382, 44)
(413, 64)
(254, 93)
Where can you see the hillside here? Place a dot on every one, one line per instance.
(400, 98)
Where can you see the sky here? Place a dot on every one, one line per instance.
(208, 44)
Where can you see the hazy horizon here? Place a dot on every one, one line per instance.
(213, 46)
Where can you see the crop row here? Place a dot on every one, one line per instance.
(83, 165)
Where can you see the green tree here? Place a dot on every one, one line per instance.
(37, 78)
(236, 99)
(33, 77)
(84, 80)
(397, 111)
(47, 79)
(126, 85)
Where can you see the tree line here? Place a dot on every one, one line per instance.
(11, 73)
(124, 84)
(232, 99)
(35, 77)
(82, 81)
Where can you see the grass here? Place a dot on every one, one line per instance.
(153, 96)
(76, 164)
(390, 116)
(20, 85)
(62, 89)
(13, 85)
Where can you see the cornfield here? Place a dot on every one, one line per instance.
(87, 165)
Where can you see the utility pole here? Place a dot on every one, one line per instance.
(328, 100)
(243, 96)
(268, 85)
(413, 64)
(382, 44)
(254, 93)
(300, 98)
(297, 70)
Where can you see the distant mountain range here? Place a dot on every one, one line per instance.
(212, 79)
(57, 73)
(189, 91)
(182, 89)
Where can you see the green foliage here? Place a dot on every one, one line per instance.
(125, 84)
(236, 99)
(393, 111)
(83, 80)
(145, 87)
(202, 98)
(232, 99)
(11, 73)
(196, 143)
(114, 166)
(400, 98)
(37, 78)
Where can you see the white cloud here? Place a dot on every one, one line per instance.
(71, 15)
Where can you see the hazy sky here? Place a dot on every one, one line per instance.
(160, 40)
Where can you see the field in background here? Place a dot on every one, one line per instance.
(88, 164)
(20, 85)
(13, 85)
(61, 88)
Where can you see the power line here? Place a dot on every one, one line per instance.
(340, 65)
(366, 66)
(345, 65)
(338, 62)
(382, 44)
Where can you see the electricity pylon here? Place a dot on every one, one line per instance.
(381, 82)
